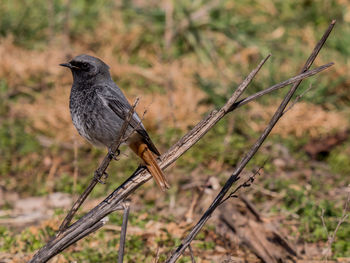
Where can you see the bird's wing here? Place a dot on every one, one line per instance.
(116, 101)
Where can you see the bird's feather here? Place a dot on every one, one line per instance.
(116, 101)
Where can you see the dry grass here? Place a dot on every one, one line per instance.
(49, 112)
(304, 119)
(177, 105)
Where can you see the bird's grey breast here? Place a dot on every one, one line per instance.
(92, 118)
(81, 105)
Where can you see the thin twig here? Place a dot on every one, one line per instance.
(342, 219)
(156, 259)
(86, 232)
(297, 78)
(123, 232)
(296, 100)
(246, 183)
(140, 176)
(331, 237)
(235, 175)
(323, 222)
(75, 165)
(101, 170)
(191, 254)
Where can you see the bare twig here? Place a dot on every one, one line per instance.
(297, 78)
(246, 183)
(296, 100)
(75, 165)
(191, 254)
(123, 232)
(86, 232)
(140, 176)
(331, 237)
(101, 170)
(235, 175)
(156, 259)
(324, 223)
(342, 219)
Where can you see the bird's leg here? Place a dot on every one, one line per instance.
(98, 176)
(113, 155)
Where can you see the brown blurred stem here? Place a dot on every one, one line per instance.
(67, 19)
(123, 232)
(51, 19)
(235, 175)
(140, 176)
(101, 170)
(193, 260)
(169, 24)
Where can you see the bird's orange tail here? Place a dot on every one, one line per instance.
(142, 150)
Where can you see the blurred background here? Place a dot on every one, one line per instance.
(182, 59)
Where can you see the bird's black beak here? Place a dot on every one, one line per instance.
(67, 65)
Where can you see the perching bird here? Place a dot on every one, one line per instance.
(98, 109)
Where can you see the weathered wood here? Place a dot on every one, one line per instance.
(244, 223)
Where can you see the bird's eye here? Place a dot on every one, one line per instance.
(85, 66)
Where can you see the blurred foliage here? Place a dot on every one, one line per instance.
(339, 159)
(34, 22)
(16, 141)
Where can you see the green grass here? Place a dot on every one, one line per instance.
(306, 204)
(339, 159)
(30, 23)
(15, 144)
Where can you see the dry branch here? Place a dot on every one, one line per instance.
(235, 175)
(94, 218)
(240, 220)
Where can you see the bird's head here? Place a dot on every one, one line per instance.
(86, 67)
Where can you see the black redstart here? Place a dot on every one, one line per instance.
(98, 109)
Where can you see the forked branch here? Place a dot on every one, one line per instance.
(93, 219)
(235, 177)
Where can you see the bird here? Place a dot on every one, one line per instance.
(98, 108)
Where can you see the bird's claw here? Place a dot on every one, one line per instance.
(113, 155)
(98, 177)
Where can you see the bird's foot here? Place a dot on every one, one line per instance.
(101, 178)
(113, 155)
